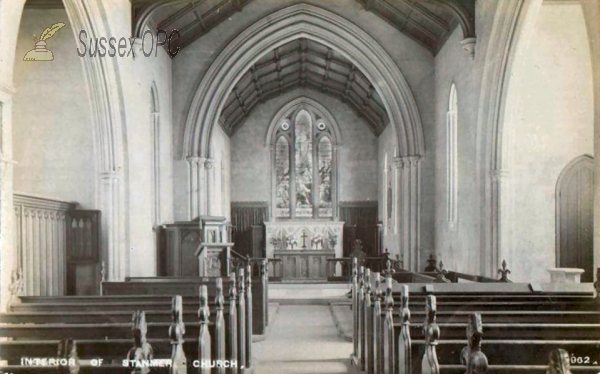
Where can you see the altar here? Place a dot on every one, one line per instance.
(304, 247)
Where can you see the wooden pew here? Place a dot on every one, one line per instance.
(519, 344)
(186, 286)
(521, 356)
(577, 296)
(108, 340)
(142, 351)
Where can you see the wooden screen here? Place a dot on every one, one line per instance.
(360, 222)
(247, 219)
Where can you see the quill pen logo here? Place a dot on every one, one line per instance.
(40, 53)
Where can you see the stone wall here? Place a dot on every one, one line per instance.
(251, 160)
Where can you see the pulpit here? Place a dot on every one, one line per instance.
(214, 251)
(200, 247)
(304, 247)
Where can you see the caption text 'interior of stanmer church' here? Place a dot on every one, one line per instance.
(300, 186)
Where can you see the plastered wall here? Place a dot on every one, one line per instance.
(147, 72)
(459, 247)
(357, 156)
(52, 125)
(549, 121)
(54, 136)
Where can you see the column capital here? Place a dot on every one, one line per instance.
(208, 163)
(468, 45)
(407, 161)
(191, 159)
(499, 174)
(138, 47)
(110, 174)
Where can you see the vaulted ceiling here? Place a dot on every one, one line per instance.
(304, 63)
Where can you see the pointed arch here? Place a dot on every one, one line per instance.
(452, 158)
(327, 28)
(156, 149)
(574, 216)
(283, 166)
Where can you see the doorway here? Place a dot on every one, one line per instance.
(574, 216)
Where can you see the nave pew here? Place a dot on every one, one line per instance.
(112, 340)
(197, 348)
(522, 345)
(523, 330)
(188, 286)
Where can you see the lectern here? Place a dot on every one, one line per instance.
(214, 251)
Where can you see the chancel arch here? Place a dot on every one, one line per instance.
(321, 26)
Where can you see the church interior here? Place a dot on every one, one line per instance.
(343, 153)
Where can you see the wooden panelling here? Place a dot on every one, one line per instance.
(247, 219)
(53, 239)
(41, 227)
(360, 222)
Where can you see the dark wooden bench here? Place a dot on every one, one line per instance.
(188, 286)
(220, 330)
(525, 328)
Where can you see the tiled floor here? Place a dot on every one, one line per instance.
(303, 340)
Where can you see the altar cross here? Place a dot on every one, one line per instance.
(304, 236)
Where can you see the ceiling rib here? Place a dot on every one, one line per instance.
(304, 63)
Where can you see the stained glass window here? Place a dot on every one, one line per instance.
(282, 171)
(304, 164)
(325, 159)
(304, 155)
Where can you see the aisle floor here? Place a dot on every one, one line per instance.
(303, 340)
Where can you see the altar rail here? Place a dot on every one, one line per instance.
(57, 247)
(340, 269)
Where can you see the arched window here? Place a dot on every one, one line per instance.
(452, 158)
(304, 142)
(155, 121)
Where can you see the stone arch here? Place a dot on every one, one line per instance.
(294, 22)
(108, 116)
(298, 102)
(314, 23)
(513, 23)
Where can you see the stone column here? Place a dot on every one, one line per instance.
(209, 193)
(408, 209)
(115, 253)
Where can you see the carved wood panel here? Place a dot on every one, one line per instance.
(360, 222)
(247, 219)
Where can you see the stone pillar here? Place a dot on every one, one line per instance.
(209, 194)
(408, 214)
(115, 254)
